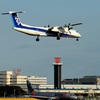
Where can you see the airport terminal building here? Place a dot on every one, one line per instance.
(40, 83)
(85, 80)
(8, 78)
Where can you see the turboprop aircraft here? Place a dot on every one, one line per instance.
(66, 31)
(50, 95)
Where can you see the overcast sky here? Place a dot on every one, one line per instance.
(80, 58)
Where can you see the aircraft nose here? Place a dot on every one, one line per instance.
(78, 35)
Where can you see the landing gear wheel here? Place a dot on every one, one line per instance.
(58, 38)
(37, 39)
(77, 39)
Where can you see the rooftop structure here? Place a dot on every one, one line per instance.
(85, 80)
(8, 78)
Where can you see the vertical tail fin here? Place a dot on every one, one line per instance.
(15, 18)
(29, 87)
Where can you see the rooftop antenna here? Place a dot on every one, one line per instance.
(17, 71)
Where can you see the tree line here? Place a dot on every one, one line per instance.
(7, 91)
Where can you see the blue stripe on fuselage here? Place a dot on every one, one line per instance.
(33, 28)
(43, 30)
(66, 35)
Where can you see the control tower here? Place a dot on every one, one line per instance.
(57, 73)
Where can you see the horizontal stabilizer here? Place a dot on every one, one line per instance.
(13, 12)
(15, 18)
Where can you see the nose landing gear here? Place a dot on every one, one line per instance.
(77, 39)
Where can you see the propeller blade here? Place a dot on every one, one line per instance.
(65, 25)
(76, 24)
(48, 25)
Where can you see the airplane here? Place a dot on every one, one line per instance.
(66, 31)
(50, 95)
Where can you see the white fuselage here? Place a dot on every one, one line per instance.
(43, 31)
(56, 31)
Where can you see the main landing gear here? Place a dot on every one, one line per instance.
(58, 37)
(37, 39)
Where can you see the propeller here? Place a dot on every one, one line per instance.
(47, 26)
(69, 26)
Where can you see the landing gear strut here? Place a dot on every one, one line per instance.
(58, 37)
(77, 39)
(37, 39)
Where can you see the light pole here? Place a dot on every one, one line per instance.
(4, 94)
(14, 92)
(96, 84)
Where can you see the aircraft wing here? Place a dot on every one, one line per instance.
(54, 98)
(44, 97)
(61, 29)
(56, 31)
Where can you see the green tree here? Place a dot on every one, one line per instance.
(9, 90)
